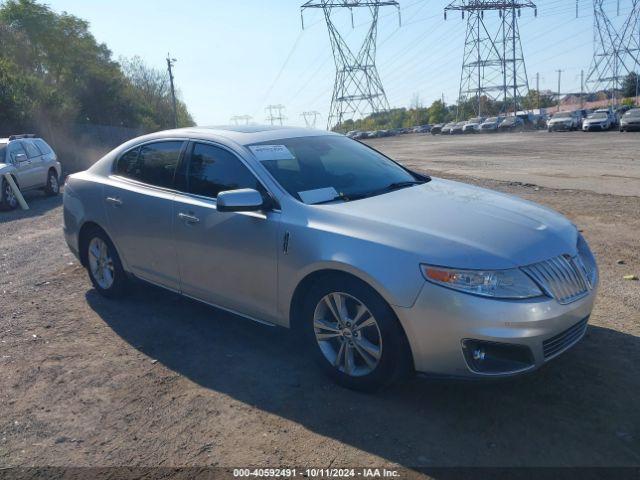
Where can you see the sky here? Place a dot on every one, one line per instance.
(235, 57)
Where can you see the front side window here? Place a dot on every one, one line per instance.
(332, 163)
(15, 149)
(153, 163)
(212, 170)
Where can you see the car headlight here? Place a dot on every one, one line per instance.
(587, 260)
(512, 284)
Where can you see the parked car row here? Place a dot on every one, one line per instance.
(518, 123)
(359, 135)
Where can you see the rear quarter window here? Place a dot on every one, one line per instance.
(43, 146)
(153, 163)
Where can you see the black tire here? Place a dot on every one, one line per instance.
(53, 184)
(395, 362)
(118, 287)
(8, 200)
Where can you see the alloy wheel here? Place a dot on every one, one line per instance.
(348, 334)
(54, 186)
(101, 263)
(10, 196)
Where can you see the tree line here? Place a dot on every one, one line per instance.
(53, 72)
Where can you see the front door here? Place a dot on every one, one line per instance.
(226, 258)
(139, 203)
(25, 170)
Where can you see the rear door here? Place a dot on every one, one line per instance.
(139, 202)
(38, 169)
(226, 258)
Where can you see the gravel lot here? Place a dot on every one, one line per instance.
(161, 380)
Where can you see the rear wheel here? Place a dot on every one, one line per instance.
(354, 335)
(103, 264)
(53, 185)
(8, 200)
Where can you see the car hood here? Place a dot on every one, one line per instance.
(6, 168)
(453, 224)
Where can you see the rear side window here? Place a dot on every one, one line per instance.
(31, 149)
(213, 170)
(43, 146)
(153, 163)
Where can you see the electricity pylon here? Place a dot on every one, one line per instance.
(616, 51)
(274, 118)
(237, 119)
(357, 91)
(493, 66)
(310, 118)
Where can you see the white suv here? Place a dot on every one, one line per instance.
(33, 165)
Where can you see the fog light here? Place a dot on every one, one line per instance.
(479, 354)
(496, 358)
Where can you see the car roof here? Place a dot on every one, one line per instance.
(242, 134)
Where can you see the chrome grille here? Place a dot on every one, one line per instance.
(560, 278)
(559, 343)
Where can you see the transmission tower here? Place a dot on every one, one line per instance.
(357, 91)
(493, 66)
(616, 51)
(241, 119)
(275, 114)
(310, 118)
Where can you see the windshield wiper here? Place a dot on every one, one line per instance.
(398, 185)
(359, 196)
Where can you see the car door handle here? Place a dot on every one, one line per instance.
(188, 218)
(116, 202)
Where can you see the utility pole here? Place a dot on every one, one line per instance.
(559, 79)
(170, 63)
(538, 90)
(582, 89)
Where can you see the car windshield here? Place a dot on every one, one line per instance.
(509, 120)
(562, 115)
(492, 120)
(598, 115)
(325, 168)
(633, 113)
(475, 120)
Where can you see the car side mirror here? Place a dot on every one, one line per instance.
(243, 200)
(20, 157)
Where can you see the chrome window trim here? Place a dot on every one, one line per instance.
(114, 175)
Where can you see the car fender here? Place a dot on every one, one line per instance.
(7, 168)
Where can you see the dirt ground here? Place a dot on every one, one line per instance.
(159, 380)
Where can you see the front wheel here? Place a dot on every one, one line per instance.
(103, 265)
(52, 187)
(8, 200)
(354, 335)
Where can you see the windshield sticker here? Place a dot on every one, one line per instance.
(318, 195)
(265, 153)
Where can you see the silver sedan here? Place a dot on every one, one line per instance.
(381, 270)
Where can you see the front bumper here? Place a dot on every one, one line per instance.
(557, 127)
(630, 126)
(442, 319)
(599, 127)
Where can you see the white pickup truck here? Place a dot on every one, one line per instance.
(32, 164)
